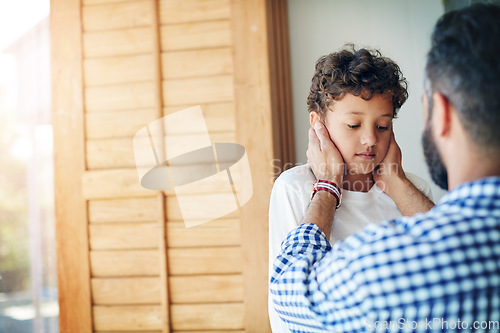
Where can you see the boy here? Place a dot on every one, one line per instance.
(356, 94)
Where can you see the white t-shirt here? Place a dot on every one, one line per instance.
(290, 198)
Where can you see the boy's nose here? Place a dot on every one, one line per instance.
(369, 138)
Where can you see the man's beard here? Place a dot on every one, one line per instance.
(433, 159)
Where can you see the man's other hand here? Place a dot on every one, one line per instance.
(390, 169)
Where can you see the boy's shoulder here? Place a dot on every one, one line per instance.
(298, 174)
(420, 183)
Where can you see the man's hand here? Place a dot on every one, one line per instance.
(390, 170)
(390, 177)
(323, 156)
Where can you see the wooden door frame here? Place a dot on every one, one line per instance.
(263, 96)
(281, 82)
(72, 241)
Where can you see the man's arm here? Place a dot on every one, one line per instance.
(326, 163)
(286, 210)
(321, 211)
(308, 244)
(408, 198)
(390, 177)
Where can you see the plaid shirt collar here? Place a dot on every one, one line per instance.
(480, 189)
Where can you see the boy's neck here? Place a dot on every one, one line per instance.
(358, 182)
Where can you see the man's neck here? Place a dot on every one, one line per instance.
(473, 167)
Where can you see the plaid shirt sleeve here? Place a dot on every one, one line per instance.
(304, 295)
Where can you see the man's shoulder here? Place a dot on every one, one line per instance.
(443, 223)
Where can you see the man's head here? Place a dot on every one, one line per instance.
(463, 71)
(356, 94)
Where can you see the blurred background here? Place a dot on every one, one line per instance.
(400, 29)
(28, 287)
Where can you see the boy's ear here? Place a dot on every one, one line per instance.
(313, 118)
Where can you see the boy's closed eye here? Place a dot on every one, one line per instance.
(382, 128)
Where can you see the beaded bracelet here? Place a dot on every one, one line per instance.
(332, 188)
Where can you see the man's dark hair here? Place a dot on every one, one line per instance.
(358, 72)
(463, 64)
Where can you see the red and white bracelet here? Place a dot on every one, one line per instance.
(332, 188)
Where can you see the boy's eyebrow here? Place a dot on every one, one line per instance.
(362, 113)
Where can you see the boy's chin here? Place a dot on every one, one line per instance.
(361, 168)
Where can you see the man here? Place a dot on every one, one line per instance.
(435, 271)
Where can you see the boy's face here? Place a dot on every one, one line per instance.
(360, 129)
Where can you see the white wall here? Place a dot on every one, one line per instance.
(400, 29)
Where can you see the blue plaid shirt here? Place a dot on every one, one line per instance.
(433, 272)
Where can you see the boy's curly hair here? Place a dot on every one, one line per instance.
(358, 72)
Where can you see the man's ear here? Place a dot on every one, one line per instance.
(441, 114)
(313, 118)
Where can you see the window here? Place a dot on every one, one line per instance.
(28, 287)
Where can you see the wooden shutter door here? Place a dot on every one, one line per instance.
(125, 261)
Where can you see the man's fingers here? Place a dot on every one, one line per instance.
(313, 139)
(322, 133)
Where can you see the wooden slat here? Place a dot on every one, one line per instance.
(119, 153)
(124, 183)
(196, 63)
(221, 232)
(125, 210)
(101, 2)
(206, 288)
(219, 117)
(195, 35)
(130, 96)
(174, 144)
(104, 125)
(211, 331)
(120, 15)
(116, 291)
(181, 261)
(117, 42)
(174, 211)
(209, 260)
(254, 124)
(120, 236)
(115, 183)
(127, 318)
(173, 11)
(207, 316)
(124, 263)
(75, 314)
(110, 153)
(118, 70)
(198, 90)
